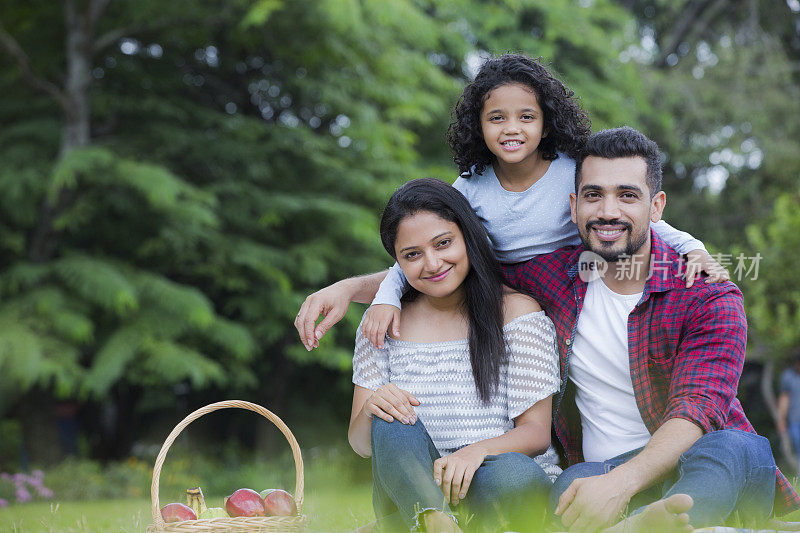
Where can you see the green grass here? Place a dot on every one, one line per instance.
(334, 509)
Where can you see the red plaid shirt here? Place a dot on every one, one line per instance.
(686, 347)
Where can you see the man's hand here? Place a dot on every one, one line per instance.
(593, 503)
(454, 472)
(701, 261)
(332, 303)
(377, 321)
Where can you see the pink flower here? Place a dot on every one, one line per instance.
(3, 503)
(23, 495)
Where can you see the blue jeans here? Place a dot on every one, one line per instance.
(794, 435)
(502, 489)
(725, 471)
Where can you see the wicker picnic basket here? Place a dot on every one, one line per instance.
(238, 524)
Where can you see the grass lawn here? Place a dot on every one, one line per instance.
(339, 509)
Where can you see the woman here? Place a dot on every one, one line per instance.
(454, 408)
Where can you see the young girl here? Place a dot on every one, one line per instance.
(476, 362)
(515, 132)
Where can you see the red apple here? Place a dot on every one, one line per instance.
(278, 502)
(177, 512)
(245, 502)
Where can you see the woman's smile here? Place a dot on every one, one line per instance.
(440, 276)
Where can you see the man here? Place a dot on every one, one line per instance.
(647, 413)
(650, 368)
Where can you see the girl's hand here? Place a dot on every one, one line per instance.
(332, 303)
(390, 402)
(377, 321)
(701, 261)
(454, 473)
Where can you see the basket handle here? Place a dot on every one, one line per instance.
(227, 404)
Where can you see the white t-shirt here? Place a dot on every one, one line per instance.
(600, 369)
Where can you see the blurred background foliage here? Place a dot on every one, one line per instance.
(178, 176)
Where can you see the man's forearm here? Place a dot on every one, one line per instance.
(659, 457)
(362, 289)
(783, 411)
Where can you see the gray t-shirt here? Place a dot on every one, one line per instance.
(439, 374)
(524, 224)
(790, 383)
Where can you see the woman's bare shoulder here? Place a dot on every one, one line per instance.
(516, 304)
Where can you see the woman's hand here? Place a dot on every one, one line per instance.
(390, 402)
(701, 261)
(376, 323)
(454, 473)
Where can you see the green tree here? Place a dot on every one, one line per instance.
(210, 167)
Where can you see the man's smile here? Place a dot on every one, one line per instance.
(608, 233)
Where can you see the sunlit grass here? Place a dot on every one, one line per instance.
(330, 509)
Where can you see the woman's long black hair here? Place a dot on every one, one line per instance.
(483, 286)
(566, 124)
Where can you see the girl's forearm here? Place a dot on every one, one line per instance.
(359, 434)
(362, 289)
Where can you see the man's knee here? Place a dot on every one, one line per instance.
(569, 475)
(732, 447)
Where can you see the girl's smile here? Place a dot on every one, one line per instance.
(512, 146)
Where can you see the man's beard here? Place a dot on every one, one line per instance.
(633, 245)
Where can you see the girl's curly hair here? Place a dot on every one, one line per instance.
(566, 124)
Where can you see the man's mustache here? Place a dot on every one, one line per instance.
(602, 221)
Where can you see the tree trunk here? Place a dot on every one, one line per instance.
(75, 130)
(771, 401)
(273, 397)
(35, 411)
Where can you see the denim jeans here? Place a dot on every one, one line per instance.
(794, 436)
(725, 471)
(502, 488)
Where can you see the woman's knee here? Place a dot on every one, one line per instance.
(510, 473)
(387, 436)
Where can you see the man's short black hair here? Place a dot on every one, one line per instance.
(623, 142)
